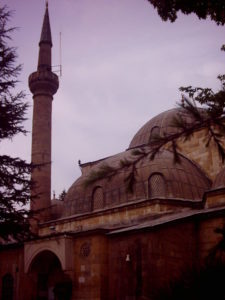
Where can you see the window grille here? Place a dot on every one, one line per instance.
(85, 249)
(98, 198)
(157, 186)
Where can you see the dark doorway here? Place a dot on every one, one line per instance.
(7, 287)
(50, 281)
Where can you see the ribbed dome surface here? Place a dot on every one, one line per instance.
(162, 121)
(159, 178)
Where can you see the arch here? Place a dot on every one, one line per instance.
(156, 185)
(42, 257)
(98, 198)
(38, 252)
(7, 287)
(60, 246)
(49, 280)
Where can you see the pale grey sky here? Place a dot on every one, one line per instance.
(121, 66)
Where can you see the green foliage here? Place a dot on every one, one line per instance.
(124, 163)
(138, 152)
(130, 180)
(15, 181)
(12, 106)
(168, 9)
(222, 48)
(62, 195)
(104, 171)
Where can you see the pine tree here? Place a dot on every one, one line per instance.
(15, 181)
(62, 195)
(168, 9)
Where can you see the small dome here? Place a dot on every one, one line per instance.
(160, 124)
(219, 181)
(158, 178)
(56, 208)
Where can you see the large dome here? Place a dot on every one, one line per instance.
(160, 178)
(161, 124)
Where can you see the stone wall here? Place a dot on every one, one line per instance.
(124, 264)
(91, 267)
(141, 263)
(206, 157)
(12, 262)
(115, 217)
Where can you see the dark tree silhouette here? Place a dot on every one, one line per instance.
(168, 9)
(62, 195)
(14, 172)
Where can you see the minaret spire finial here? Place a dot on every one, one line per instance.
(45, 44)
(46, 30)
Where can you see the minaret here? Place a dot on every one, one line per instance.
(43, 84)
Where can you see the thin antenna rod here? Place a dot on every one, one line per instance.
(60, 54)
(59, 67)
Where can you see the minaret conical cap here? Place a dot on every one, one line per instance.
(46, 36)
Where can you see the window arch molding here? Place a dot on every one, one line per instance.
(157, 185)
(97, 198)
(154, 133)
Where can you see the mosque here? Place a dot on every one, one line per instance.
(102, 241)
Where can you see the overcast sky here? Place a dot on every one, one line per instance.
(121, 66)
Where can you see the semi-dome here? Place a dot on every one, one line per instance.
(160, 178)
(160, 124)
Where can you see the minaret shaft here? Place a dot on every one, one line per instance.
(43, 84)
(41, 150)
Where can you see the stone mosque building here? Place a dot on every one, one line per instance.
(101, 241)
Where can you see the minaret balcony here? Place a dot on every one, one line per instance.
(43, 82)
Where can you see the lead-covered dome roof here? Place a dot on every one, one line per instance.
(160, 178)
(160, 124)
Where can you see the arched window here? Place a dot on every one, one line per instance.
(155, 131)
(156, 185)
(7, 287)
(98, 198)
